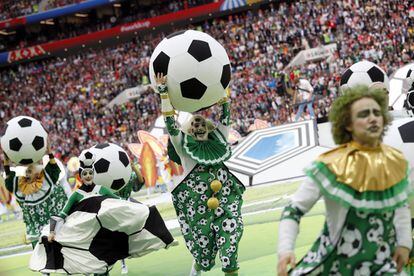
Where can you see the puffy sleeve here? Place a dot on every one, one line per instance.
(73, 199)
(52, 169)
(168, 112)
(300, 203)
(402, 224)
(11, 180)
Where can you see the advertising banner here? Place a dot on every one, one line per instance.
(112, 33)
(53, 13)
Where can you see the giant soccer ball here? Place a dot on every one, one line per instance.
(410, 79)
(197, 69)
(24, 140)
(86, 158)
(364, 73)
(112, 166)
(400, 135)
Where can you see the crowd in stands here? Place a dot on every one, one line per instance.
(70, 95)
(129, 11)
(15, 8)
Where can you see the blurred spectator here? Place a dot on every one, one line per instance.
(70, 95)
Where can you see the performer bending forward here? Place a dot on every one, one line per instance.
(208, 198)
(365, 186)
(95, 229)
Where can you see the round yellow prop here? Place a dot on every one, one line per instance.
(215, 185)
(213, 203)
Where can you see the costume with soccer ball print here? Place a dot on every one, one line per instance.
(353, 232)
(365, 186)
(39, 199)
(205, 230)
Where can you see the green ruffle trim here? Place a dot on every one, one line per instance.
(213, 151)
(371, 201)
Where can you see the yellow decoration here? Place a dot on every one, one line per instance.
(28, 188)
(215, 185)
(366, 169)
(73, 164)
(213, 203)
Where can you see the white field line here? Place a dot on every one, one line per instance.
(16, 255)
(13, 247)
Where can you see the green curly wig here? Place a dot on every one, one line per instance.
(340, 114)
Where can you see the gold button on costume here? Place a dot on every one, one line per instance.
(213, 203)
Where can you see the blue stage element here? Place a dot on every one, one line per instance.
(272, 146)
(66, 10)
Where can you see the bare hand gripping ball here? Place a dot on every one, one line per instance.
(24, 140)
(197, 69)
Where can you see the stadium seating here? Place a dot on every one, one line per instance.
(70, 95)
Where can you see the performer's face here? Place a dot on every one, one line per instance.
(198, 128)
(367, 123)
(32, 172)
(87, 176)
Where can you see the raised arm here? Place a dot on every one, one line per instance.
(225, 112)
(52, 168)
(138, 179)
(168, 111)
(224, 125)
(10, 175)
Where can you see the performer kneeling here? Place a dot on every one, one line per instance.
(208, 198)
(95, 229)
(365, 186)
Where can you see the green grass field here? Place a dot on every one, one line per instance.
(257, 250)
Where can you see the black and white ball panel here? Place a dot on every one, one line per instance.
(364, 73)
(24, 140)
(114, 216)
(197, 69)
(112, 166)
(97, 233)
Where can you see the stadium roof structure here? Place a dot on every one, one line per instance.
(276, 154)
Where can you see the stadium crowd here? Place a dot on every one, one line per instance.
(70, 95)
(12, 8)
(64, 28)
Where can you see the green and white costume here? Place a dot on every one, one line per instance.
(95, 229)
(206, 231)
(39, 206)
(365, 193)
(132, 185)
(84, 192)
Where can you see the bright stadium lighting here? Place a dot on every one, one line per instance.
(117, 5)
(4, 32)
(47, 22)
(81, 15)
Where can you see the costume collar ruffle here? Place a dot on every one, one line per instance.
(368, 179)
(213, 151)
